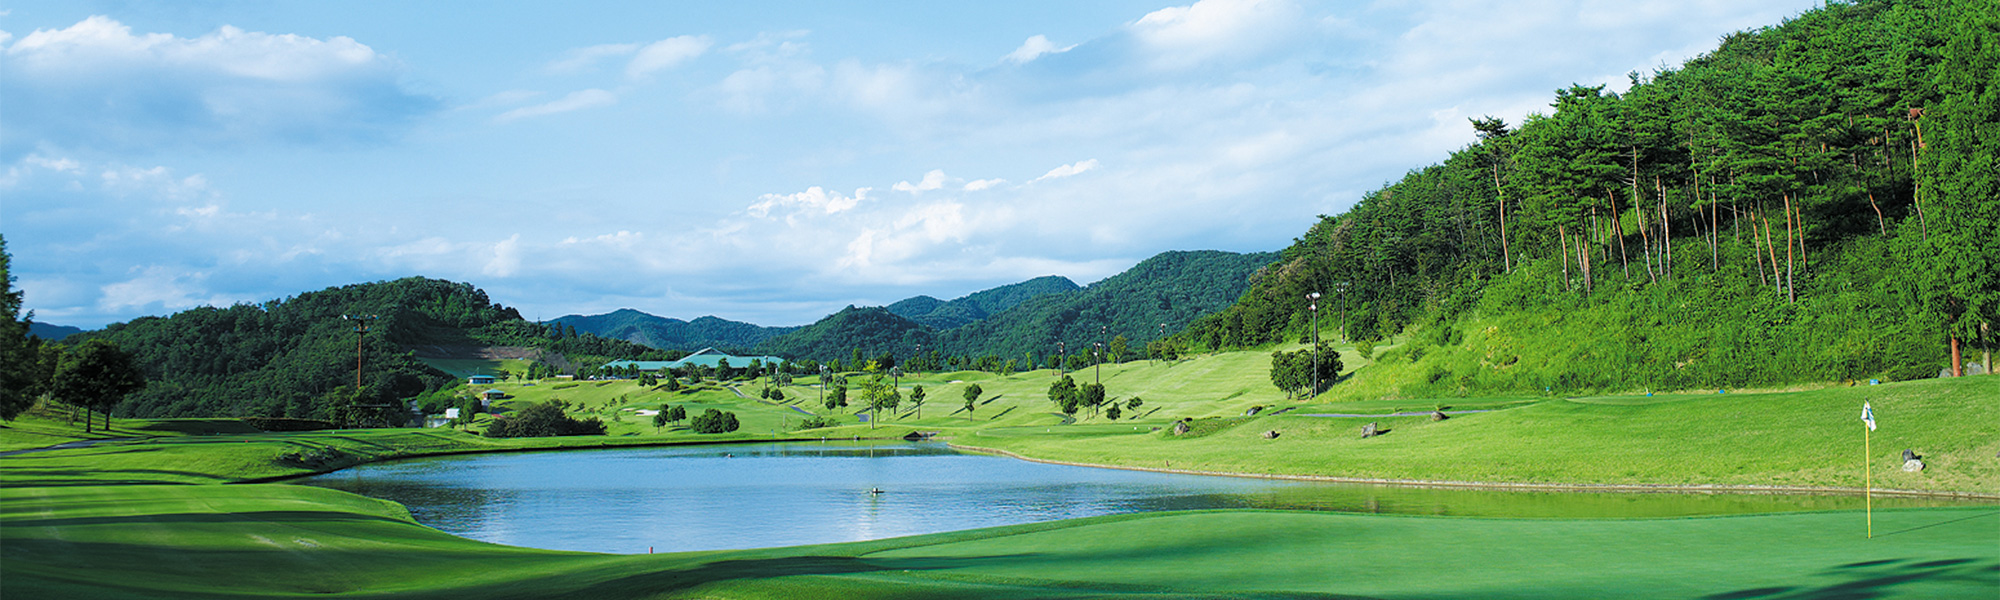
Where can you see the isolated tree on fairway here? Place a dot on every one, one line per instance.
(836, 396)
(714, 421)
(1134, 404)
(972, 393)
(1065, 395)
(1093, 396)
(96, 376)
(917, 399)
(879, 394)
(1111, 412)
(660, 418)
(677, 414)
(1119, 345)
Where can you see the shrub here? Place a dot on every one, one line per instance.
(547, 419)
(714, 421)
(816, 422)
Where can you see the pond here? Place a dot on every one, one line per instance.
(711, 497)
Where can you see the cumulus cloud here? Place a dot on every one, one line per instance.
(98, 85)
(1034, 48)
(578, 100)
(982, 184)
(506, 257)
(1068, 170)
(665, 54)
(1181, 36)
(931, 181)
(814, 198)
(159, 288)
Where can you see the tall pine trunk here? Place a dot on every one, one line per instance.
(1618, 226)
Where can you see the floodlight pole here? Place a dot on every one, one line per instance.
(1061, 353)
(1314, 307)
(1342, 287)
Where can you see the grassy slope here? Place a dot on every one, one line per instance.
(265, 540)
(63, 530)
(1802, 438)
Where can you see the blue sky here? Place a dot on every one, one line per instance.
(760, 161)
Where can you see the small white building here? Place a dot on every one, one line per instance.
(479, 380)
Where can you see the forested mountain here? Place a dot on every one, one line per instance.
(1815, 200)
(873, 330)
(295, 357)
(668, 333)
(941, 315)
(53, 333)
(1172, 288)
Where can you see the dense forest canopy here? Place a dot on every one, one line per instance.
(1809, 201)
(296, 357)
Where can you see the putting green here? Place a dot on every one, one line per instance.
(271, 539)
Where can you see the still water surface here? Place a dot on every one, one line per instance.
(684, 498)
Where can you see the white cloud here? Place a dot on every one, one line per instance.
(931, 181)
(584, 58)
(814, 198)
(666, 54)
(1181, 36)
(96, 84)
(982, 184)
(506, 257)
(158, 288)
(1034, 48)
(1068, 170)
(63, 165)
(578, 100)
(156, 181)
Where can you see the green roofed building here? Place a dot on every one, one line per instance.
(706, 357)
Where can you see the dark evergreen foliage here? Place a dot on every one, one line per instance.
(1729, 221)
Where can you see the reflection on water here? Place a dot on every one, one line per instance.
(759, 495)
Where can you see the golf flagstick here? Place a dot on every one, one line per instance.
(1868, 489)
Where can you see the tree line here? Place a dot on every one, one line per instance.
(1810, 199)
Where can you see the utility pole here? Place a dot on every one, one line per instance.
(362, 325)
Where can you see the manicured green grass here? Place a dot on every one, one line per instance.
(272, 539)
(1811, 438)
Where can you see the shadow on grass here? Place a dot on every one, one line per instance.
(1919, 527)
(1880, 579)
(285, 516)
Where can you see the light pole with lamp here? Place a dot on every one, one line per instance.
(1061, 353)
(1342, 288)
(1314, 307)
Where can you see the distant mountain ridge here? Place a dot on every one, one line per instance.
(53, 333)
(1170, 289)
(668, 333)
(973, 307)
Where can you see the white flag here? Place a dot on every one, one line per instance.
(1868, 416)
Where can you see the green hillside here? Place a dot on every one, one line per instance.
(295, 357)
(942, 315)
(1764, 214)
(1171, 289)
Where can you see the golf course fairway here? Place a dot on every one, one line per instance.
(262, 540)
